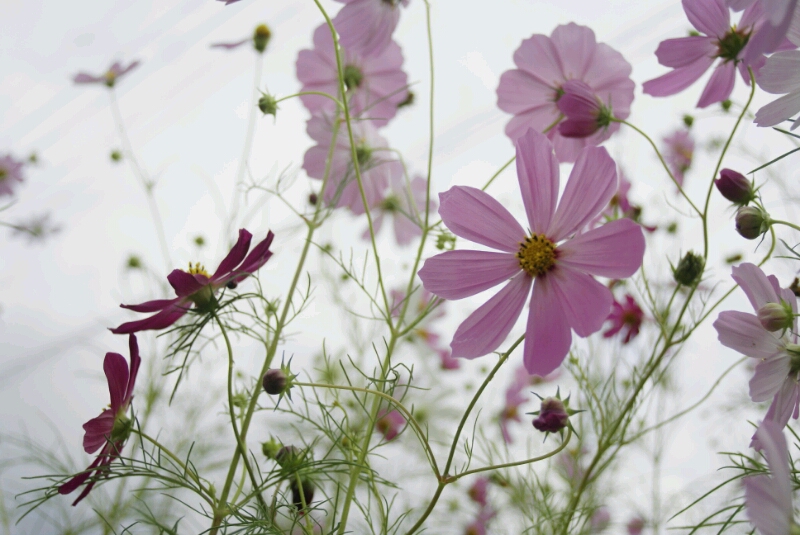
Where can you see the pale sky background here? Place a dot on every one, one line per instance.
(186, 110)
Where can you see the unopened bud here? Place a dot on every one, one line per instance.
(689, 269)
(289, 458)
(306, 497)
(270, 448)
(552, 417)
(268, 105)
(735, 187)
(751, 222)
(275, 381)
(776, 316)
(261, 37)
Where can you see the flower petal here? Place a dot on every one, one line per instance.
(592, 183)
(770, 376)
(764, 506)
(476, 216)
(548, 336)
(684, 51)
(778, 110)
(460, 274)
(677, 80)
(520, 91)
(486, 328)
(163, 319)
(719, 86)
(710, 17)
(743, 332)
(781, 73)
(785, 403)
(756, 286)
(614, 250)
(116, 369)
(136, 360)
(257, 258)
(586, 303)
(97, 431)
(537, 173)
(774, 447)
(183, 283)
(234, 256)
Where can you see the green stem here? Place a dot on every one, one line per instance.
(779, 222)
(317, 93)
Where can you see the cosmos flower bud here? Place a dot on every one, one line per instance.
(261, 37)
(776, 316)
(275, 382)
(290, 458)
(271, 448)
(585, 113)
(552, 417)
(308, 492)
(689, 269)
(751, 222)
(267, 104)
(735, 187)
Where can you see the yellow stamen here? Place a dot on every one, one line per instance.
(198, 269)
(537, 255)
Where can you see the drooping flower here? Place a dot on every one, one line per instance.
(544, 65)
(196, 287)
(584, 113)
(768, 499)
(260, 40)
(10, 174)
(389, 423)
(406, 203)
(109, 431)
(776, 375)
(375, 85)
(679, 152)
(366, 26)
(780, 75)
(625, 317)
(419, 301)
(110, 77)
(556, 259)
(690, 57)
(375, 161)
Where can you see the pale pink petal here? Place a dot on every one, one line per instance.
(720, 86)
(476, 216)
(683, 51)
(785, 403)
(538, 56)
(758, 288)
(576, 47)
(520, 91)
(614, 250)
(765, 507)
(710, 17)
(677, 80)
(116, 369)
(486, 328)
(586, 303)
(537, 173)
(743, 332)
(779, 110)
(460, 274)
(770, 376)
(537, 118)
(548, 336)
(776, 452)
(591, 185)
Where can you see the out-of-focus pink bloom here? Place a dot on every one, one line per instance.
(635, 526)
(406, 203)
(569, 462)
(10, 174)
(544, 65)
(585, 113)
(780, 75)
(109, 431)
(600, 519)
(198, 287)
(260, 39)
(478, 491)
(480, 525)
(376, 162)
(417, 304)
(367, 26)
(109, 78)
(389, 423)
(768, 500)
(446, 360)
(678, 153)
(776, 375)
(514, 398)
(559, 258)
(375, 84)
(779, 17)
(690, 57)
(627, 316)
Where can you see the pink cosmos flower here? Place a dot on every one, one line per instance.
(514, 398)
(691, 56)
(776, 375)
(544, 65)
(480, 525)
(635, 526)
(389, 423)
(556, 258)
(627, 316)
(377, 164)
(417, 304)
(406, 203)
(679, 152)
(446, 360)
(198, 287)
(779, 17)
(366, 26)
(10, 174)
(768, 499)
(109, 431)
(375, 85)
(780, 75)
(479, 490)
(109, 78)
(585, 113)
(600, 519)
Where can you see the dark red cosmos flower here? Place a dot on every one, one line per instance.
(198, 287)
(109, 431)
(627, 316)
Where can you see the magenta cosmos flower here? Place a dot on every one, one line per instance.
(366, 26)
(10, 174)
(544, 64)
(692, 56)
(768, 499)
(109, 431)
(109, 78)
(197, 287)
(375, 84)
(375, 160)
(779, 17)
(390, 423)
(780, 75)
(776, 375)
(625, 317)
(556, 258)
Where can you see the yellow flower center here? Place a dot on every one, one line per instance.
(537, 255)
(198, 269)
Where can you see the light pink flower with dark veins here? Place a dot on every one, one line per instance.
(776, 376)
(366, 26)
(110, 77)
(544, 64)
(781, 74)
(109, 431)
(556, 258)
(406, 204)
(376, 162)
(375, 85)
(10, 174)
(690, 57)
(768, 498)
